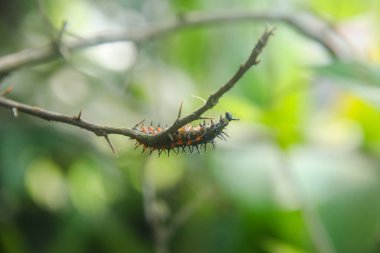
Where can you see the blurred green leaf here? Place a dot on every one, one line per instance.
(341, 9)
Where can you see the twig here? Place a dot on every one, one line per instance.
(161, 239)
(183, 214)
(214, 98)
(308, 25)
(318, 234)
(71, 120)
(164, 231)
(104, 131)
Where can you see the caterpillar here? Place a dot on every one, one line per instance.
(192, 137)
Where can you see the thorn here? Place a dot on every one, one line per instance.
(180, 110)
(62, 50)
(78, 117)
(109, 142)
(171, 137)
(61, 31)
(140, 123)
(15, 112)
(213, 144)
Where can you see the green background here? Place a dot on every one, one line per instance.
(299, 173)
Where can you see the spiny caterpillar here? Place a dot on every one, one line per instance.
(192, 137)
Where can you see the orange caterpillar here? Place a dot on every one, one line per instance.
(192, 137)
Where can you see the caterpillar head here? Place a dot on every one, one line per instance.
(229, 116)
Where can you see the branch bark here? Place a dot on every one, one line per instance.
(75, 120)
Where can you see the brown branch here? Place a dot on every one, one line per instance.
(214, 98)
(308, 25)
(71, 120)
(104, 131)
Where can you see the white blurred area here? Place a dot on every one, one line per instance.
(117, 56)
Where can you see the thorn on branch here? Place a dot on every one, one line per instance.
(62, 30)
(140, 123)
(78, 117)
(180, 110)
(58, 42)
(111, 146)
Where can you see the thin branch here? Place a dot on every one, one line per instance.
(184, 214)
(214, 98)
(317, 231)
(161, 239)
(163, 231)
(305, 23)
(104, 131)
(71, 120)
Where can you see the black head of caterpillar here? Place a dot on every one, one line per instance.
(192, 137)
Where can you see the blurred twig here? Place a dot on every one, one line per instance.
(105, 130)
(161, 239)
(318, 234)
(164, 231)
(305, 23)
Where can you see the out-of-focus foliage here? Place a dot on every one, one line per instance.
(308, 136)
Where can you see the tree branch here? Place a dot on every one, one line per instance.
(214, 98)
(308, 25)
(75, 120)
(104, 131)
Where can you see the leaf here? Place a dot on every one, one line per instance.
(341, 9)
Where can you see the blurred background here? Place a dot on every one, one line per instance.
(299, 173)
